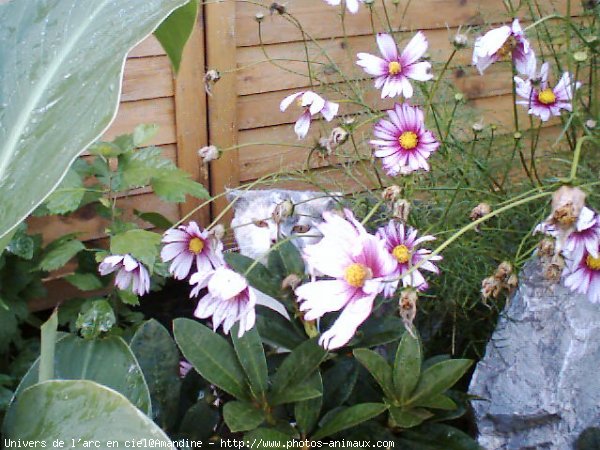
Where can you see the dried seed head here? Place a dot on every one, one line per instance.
(391, 193)
(546, 248)
(282, 211)
(460, 41)
(504, 270)
(478, 127)
(483, 209)
(490, 288)
(292, 281)
(338, 136)
(209, 153)
(591, 124)
(210, 78)
(218, 231)
(259, 17)
(401, 210)
(512, 282)
(553, 269)
(567, 203)
(276, 7)
(408, 308)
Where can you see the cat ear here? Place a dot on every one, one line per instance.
(322, 202)
(240, 197)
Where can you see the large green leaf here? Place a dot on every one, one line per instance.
(141, 244)
(242, 416)
(250, 352)
(212, 356)
(175, 31)
(307, 412)
(436, 436)
(407, 366)
(158, 357)
(258, 276)
(268, 438)
(349, 417)
(61, 66)
(339, 381)
(378, 368)
(439, 378)
(79, 409)
(107, 361)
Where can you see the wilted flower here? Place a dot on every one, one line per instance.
(567, 203)
(337, 137)
(408, 308)
(401, 242)
(490, 288)
(583, 275)
(218, 231)
(481, 210)
(546, 248)
(403, 142)
(229, 300)
(512, 282)
(460, 40)
(210, 78)
(209, 153)
(503, 271)
(401, 210)
(501, 42)
(543, 101)
(553, 269)
(351, 5)
(360, 267)
(312, 104)
(393, 71)
(129, 272)
(277, 8)
(391, 193)
(188, 244)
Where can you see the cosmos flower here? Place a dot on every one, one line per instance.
(188, 244)
(585, 236)
(360, 267)
(352, 5)
(401, 242)
(543, 101)
(229, 299)
(403, 142)
(583, 275)
(312, 104)
(501, 42)
(393, 71)
(129, 272)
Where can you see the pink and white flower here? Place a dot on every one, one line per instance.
(401, 242)
(312, 104)
(360, 267)
(129, 272)
(351, 5)
(585, 236)
(404, 145)
(188, 244)
(501, 42)
(583, 275)
(393, 71)
(543, 101)
(229, 299)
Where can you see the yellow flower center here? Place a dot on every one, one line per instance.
(394, 68)
(196, 245)
(356, 275)
(593, 263)
(408, 140)
(547, 97)
(401, 253)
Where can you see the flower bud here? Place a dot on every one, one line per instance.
(259, 17)
(478, 126)
(282, 211)
(567, 203)
(459, 97)
(209, 153)
(460, 41)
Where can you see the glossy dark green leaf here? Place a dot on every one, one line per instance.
(348, 418)
(198, 422)
(589, 439)
(309, 389)
(379, 368)
(436, 436)
(76, 409)
(258, 277)
(296, 368)
(175, 31)
(291, 258)
(408, 418)
(158, 358)
(407, 366)
(339, 381)
(439, 378)
(242, 416)
(440, 401)
(250, 353)
(154, 218)
(212, 356)
(276, 331)
(307, 412)
(378, 331)
(48, 348)
(268, 438)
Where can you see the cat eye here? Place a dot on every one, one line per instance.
(301, 228)
(261, 223)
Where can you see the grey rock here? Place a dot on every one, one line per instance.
(540, 377)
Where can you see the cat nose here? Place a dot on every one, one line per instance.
(273, 240)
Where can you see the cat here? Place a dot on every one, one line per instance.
(255, 229)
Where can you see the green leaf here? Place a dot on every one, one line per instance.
(128, 297)
(440, 401)
(250, 353)
(276, 330)
(137, 167)
(85, 281)
(106, 149)
(290, 257)
(211, 356)
(242, 416)
(589, 439)
(376, 331)
(107, 361)
(48, 332)
(439, 378)
(143, 133)
(141, 244)
(21, 245)
(68, 196)
(296, 368)
(339, 381)
(98, 317)
(77, 409)
(309, 389)
(174, 185)
(158, 358)
(199, 422)
(407, 366)
(409, 418)
(349, 417)
(379, 368)
(154, 218)
(268, 438)
(438, 436)
(175, 31)
(56, 103)
(60, 255)
(259, 277)
(307, 412)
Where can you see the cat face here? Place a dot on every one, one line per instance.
(256, 231)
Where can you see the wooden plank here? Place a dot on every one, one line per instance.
(322, 21)
(160, 111)
(190, 116)
(221, 55)
(148, 47)
(147, 78)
